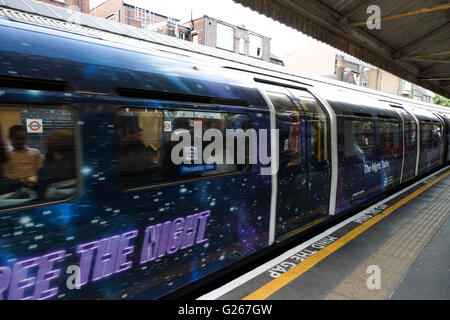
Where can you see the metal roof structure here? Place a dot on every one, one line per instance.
(133, 38)
(412, 43)
(65, 19)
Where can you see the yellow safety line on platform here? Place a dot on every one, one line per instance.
(276, 284)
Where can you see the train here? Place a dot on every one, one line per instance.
(92, 205)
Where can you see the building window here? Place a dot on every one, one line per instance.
(171, 31)
(242, 46)
(225, 36)
(140, 13)
(195, 38)
(255, 46)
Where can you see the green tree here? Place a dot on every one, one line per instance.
(441, 100)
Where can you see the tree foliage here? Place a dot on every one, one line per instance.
(441, 100)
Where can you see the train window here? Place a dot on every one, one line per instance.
(289, 124)
(425, 134)
(283, 104)
(411, 136)
(318, 127)
(448, 138)
(437, 134)
(359, 137)
(147, 147)
(390, 137)
(37, 155)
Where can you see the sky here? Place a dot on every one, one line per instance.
(285, 40)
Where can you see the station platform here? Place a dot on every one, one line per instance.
(396, 249)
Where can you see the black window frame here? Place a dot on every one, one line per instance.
(187, 107)
(78, 157)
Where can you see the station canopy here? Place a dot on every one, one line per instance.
(412, 42)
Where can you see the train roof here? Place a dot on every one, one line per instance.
(423, 114)
(36, 13)
(93, 66)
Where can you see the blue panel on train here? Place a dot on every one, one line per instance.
(189, 169)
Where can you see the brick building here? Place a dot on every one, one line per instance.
(384, 81)
(76, 5)
(219, 34)
(205, 30)
(124, 12)
(172, 28)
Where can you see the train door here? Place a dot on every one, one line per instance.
(410, 143)
(447, 119)
(425, 145)
(437, 136)
(359, 165)
(430, 145)
(292, 173)
(318, 151)
(390, 150)
(441, 135)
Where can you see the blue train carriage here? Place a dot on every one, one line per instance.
(431, 140)
(103, 199)
(370, 148)
(100, 212)
(445, 119)
(411, 150)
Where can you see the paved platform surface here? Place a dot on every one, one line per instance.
(398, 250)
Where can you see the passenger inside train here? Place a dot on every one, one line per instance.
(6, 185)
(23, 162)
(38, 160)
(59, 168)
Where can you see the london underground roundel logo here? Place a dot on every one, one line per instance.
(167, 126)
(34, 126)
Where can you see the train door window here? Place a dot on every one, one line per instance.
(410, 134)
(289, 123)
(167, 146)
(448, 137)
(37, 155)
(410, 138)
(426, 133)
(359, 137)
(390, 137)
(437, 134)
(317, 121)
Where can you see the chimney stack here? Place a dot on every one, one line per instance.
(84, 6)
(340, 68)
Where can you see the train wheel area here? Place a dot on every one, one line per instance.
(396, 249)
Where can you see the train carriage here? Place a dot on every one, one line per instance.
(103, 211)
